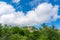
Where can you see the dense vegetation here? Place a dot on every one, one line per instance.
(29, 33)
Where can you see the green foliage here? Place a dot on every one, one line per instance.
(29, 33)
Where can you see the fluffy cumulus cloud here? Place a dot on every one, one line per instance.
(44, 12)
(15, 1)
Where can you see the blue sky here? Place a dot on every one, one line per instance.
(27, 5)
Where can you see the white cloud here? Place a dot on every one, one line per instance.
(55, 12)
(15, 1)
(41, 14)
(6, 8)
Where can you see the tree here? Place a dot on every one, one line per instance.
(1, 31)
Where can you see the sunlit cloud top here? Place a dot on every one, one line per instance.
(28, 12)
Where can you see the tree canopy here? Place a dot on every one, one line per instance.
(29, 33)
